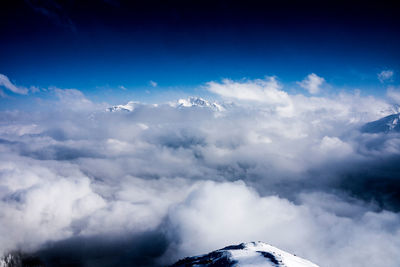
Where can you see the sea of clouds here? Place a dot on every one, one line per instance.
(147, 187)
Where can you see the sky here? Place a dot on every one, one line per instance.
(99, 47)
(280, 149)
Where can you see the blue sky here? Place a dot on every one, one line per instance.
(99, 47)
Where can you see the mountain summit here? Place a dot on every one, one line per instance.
(246, 255)
(130, 106)
(198, 102)
(385, 125)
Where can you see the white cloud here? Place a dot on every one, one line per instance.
(7, 84)
(394, 94)
(312, 83)
(385, 75)
(267, 90)
(219, 214)
(73, 99)
(263, 91)
(47, 202)
(153, 83)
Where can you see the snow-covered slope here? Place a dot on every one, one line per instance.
(181, 103)
(253, 254)
(197, 102)
(130, 106)
(387, 124)
(246, 255)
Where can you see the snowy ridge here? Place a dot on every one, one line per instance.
(385, 125)
(190, 102)
(246, 255)
(197, 102)
(130, 106)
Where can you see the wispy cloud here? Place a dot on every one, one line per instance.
(54, 11)
(34, 89)
(312, 83)
(8, 85)
(153, 84)
(385, 75)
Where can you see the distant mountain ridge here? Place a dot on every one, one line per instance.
(198, 102)
(246, 255)
(128, 107)
(190, 102)
(386, 124)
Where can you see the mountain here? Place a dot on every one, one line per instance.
(197, 102)
(243, 255)
(130, 106)
(190, 102)
(385, 125)
(246, 254)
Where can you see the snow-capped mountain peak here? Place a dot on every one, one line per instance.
(197, 102)
(384, 125)
(181, 103)
(130, 106)
(246, 255)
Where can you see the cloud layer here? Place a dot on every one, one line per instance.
(290, 170)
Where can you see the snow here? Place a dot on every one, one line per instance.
(197, 102)
(190, 102)
(384, 125)
(130, 106)
(253, 254)
(250, 256)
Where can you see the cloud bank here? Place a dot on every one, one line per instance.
(164, 181)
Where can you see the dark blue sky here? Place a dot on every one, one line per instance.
(99, 45)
